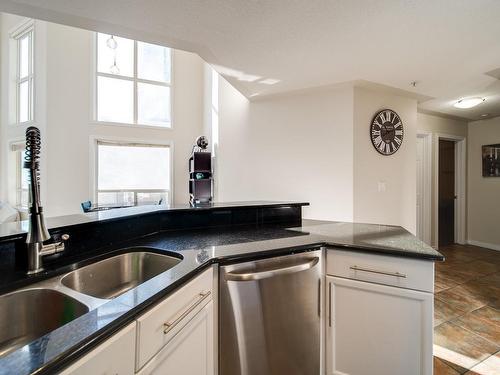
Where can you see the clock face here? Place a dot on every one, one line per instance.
(386, 131)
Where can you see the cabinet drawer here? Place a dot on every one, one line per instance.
(381, 269)
(159, 325)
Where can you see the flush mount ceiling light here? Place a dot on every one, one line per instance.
(468, 102)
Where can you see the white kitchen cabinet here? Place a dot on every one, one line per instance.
(374, 329)
(116, 356)
(176, 336)
(190, 351)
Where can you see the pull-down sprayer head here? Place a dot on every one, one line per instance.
(37, 232)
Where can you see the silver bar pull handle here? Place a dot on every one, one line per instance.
(264, 274)
(168, 326)
(394, 274)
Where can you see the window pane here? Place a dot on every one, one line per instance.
(152, 198)
(115, 100)
(23, 184)
(24, 198)
(24, 100)
(124, 53)
(153, 104)
(116, 198)
(153, 62)
(24, 55)
(25, 176)
(133, 167)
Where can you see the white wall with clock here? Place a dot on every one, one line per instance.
(384, 186)
(315, 146)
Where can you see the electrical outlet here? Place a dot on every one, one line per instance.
(381, 186)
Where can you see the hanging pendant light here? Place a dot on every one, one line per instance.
(113, 69)
(111, 42)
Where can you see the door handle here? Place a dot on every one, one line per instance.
(319, 297)
(271, 272)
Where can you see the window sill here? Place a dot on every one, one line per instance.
(135, 126)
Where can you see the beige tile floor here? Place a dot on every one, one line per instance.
(467, 312)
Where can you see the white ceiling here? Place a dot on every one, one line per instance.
(276, 46)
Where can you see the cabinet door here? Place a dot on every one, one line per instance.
(191, 350)
(377, 330)
(116, 356)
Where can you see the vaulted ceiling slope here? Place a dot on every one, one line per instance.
(266, 47)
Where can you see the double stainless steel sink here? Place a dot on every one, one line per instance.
(39, 309)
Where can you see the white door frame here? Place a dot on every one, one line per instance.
(460, 180)
(427, 192)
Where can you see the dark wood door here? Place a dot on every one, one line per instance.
(446, 192)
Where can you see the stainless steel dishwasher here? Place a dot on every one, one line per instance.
(270, 316)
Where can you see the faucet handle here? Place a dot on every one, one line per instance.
(61, 244)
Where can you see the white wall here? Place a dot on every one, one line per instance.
(441, 125)
(483, 192)
(297, 147)
(67, 162)
(397, 204)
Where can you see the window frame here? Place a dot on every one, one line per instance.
(25, 29)
(18, 147)
(135, 80)
(94, 157)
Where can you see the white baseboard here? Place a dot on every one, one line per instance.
(484, 244)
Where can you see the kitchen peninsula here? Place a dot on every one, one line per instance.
(368, 274)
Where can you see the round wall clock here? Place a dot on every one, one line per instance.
(386, 132)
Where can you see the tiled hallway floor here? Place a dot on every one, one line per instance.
(467, 312)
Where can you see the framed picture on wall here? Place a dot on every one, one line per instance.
(491, 160)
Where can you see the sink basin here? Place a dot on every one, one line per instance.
(29, 314)
(114, 276)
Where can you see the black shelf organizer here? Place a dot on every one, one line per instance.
(200, 178)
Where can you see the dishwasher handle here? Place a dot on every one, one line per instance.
(271, 272)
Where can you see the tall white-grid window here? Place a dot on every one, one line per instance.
(133, 82)
(24, 42)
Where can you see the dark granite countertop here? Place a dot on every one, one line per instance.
(199, 249)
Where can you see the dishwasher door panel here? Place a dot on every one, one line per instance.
(270, 316)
